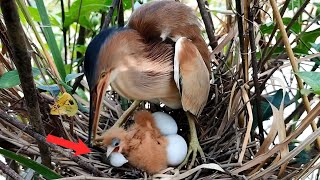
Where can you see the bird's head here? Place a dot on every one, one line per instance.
(106, 55)
(115, 140)
(95, 77)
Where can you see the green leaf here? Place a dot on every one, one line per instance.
(312, 79)
(82, 94)
(53, 88)
(50, 37)
(318, 8)
(66, 86)
(39, 168)
(275, 99)
(294, 4)
(72, 76)
(311, 36)
(303, 157)
(267, 28)
(127, 4)
(296, 27)
(87, 7)
(11, 79)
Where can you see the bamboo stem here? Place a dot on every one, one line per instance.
(293, 62)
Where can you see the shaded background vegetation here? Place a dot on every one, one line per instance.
(264, 93)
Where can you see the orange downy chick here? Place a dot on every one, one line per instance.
(142, 143)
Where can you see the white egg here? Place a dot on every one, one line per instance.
(176, 150)
(166, 124)
(116, 159)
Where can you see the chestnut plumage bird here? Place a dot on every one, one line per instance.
(160, 56)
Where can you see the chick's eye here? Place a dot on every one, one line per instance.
(115, 142)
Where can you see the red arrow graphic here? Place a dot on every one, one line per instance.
(79, 147)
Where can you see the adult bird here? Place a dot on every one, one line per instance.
(160, 56)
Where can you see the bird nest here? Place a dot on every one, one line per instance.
(224, 130)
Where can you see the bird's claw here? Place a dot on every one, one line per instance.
(194, 147)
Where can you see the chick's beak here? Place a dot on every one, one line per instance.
(110, 149)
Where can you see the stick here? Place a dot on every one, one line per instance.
(42, 139)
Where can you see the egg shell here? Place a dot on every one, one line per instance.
(166, 124)
(117, 159)
(176, 149)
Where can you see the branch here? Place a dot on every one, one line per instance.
(22, 61)
(206, 17)
(10, 172)
(42, 139)
(115, 3)
(255, 73)
(120, 14)
(241, 38)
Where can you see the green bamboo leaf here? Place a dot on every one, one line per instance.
(11, 79)
(72, 76)
(311, 36)
(312, 79)
(48, 33)
(39, 168)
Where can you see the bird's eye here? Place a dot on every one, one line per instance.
(102, 75)
(115, 142)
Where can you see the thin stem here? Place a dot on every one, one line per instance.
(241, 38)
(75, 34)
(64, 31)
(10, 172)
(206, 17)
(255, 73)
(115, 3)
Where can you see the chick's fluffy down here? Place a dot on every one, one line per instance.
(147, 146)
(148, 153)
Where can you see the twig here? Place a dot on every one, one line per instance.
(293, 62)
(120, 14)
(241, 38)
(255, 73)
(42, 139)
(10, 172)
(22, 61)
(206, 17)
(115, 3)
(64, 31)
(75, 35)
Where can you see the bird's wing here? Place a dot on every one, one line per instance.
(164, 20)
(191, 76)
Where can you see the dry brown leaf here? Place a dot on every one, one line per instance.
(249, 126)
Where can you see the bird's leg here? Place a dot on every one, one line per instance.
(123, 118)
(194, 145)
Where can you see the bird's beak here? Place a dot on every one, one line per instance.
(110, 149)
(96, 96)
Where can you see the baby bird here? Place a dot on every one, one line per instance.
(142, 143)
